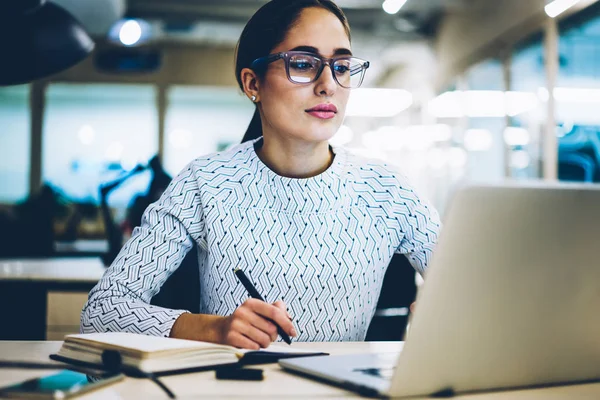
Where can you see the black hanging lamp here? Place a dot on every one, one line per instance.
(38, 39)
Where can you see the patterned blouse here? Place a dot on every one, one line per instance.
(320, 244)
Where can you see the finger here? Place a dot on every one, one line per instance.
(281, 305)
(242, 325)
(257, 336)
(260, 322)
(263, 324)
(238, 340)
(245, 316)
(273, 313)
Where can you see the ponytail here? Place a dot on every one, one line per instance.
(254, 130)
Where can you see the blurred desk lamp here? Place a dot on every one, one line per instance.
(38, 39)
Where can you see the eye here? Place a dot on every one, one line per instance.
(302, 64)
(341, 69)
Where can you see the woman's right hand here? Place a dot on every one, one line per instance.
(252, 325)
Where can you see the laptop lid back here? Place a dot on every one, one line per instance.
(512, 297)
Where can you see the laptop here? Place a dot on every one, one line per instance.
(511, 300)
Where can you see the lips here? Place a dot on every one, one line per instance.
(324, 107)
(323, 111)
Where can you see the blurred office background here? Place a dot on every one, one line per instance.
(458, 91)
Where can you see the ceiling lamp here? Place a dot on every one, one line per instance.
(38, 39)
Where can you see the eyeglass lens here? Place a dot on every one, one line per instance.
(304, 68)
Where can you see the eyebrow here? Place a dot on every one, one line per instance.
(311, 49)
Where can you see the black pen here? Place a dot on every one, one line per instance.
(254, 293)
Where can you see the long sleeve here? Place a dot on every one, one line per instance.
(120, 300)
(420, 224)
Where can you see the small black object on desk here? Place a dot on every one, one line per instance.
(243, 374)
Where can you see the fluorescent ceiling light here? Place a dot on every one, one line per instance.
(519, 102)
(434, 133)
(543, 94)
(392, 6)
(447, 105)
(413, 137)
(378, 102)
(557, 7)
(478, 139)
(514, 136)
(482, 104)
(577, 95)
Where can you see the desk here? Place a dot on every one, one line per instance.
(27, 288)
(81, 247)
(277, 383)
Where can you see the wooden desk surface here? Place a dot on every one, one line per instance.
(68, 270)
(277, 383)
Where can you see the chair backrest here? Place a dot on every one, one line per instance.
(397, 293)
(181, 291)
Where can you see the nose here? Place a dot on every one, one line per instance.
(326, 84)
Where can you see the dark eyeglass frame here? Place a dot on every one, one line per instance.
(262, 62)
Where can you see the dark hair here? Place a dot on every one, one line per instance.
(264, 31)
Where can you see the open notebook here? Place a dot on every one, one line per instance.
(162, 355)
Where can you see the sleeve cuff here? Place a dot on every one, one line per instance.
(168, 319)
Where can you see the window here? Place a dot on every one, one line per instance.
(95, 133)
(525, 130)
(14, 143)
(578, 97)
(202, 120)
(483, 136)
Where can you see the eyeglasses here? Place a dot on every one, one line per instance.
(303, 68)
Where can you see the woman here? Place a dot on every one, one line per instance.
(313, 226)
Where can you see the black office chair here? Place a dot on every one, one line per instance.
(393, 307)
(181, 291)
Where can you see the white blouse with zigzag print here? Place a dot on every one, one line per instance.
(320, 244)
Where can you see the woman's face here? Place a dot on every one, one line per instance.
(288, 108)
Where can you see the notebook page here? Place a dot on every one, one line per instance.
(288, 349)
(141, 343)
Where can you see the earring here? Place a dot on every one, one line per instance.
(253, 98)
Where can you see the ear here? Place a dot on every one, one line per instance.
(251, 84)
